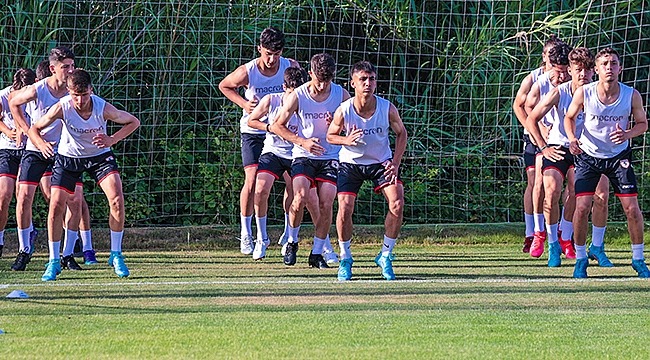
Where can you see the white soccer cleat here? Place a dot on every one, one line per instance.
(246, 245)
(260, 249)
(330, 257)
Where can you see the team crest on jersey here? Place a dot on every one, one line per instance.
(625, 163)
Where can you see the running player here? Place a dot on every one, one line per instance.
(366, 155)
(604, 148)
(558, 56)
(558, 163)
(534, 186)
(11, 151)
(84, 147)
(315, 161)
(261, 76)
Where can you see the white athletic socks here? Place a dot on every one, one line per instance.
(70, 238)
(261, 228)
(597, 235)
(581, 251)
(23, 240)
(116, 241)
(286, 223)
(293, 234)
(530, 224)
(2, 237)
(246, 225)
(388, 246)
(567, 229)
(55, 249)
(86, 239)
(637, 251)
(345, 249)
(551, 233)
(319, 243)
(539, 222)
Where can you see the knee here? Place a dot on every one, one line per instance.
(396, 207)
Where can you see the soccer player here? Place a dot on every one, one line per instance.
(11, 150)
(604, 148)
(275, 161)
(366, 155)
(315, 161)
(84, 147)
(534, 186)
(261, 76)
(558, 163)
(558, 56)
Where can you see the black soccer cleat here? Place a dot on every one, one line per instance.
(21, 262)
(317, 261)
(68, 262)
(1, 246)
(290, 255)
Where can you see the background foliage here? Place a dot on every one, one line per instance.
(451, 67)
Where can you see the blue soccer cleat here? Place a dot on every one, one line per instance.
(580, 270)
(345, 269)
(554, 254)
(598, 253)
(118, 264)
(386, 265)
(641, 268)
(52, 270)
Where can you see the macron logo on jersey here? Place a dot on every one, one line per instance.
(269, 89)
(87, 131)
(315, 116)
(606, 118)
(373, 131)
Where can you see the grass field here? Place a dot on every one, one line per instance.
(471, 297)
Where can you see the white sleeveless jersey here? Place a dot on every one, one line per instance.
(77, 133)
(259, 86)
(534, 75)
(37, 108)
(274, 143)
(557, 135)
(374, 146)
(5, 141)
(312, 121)
(600, 121)
(545, 87)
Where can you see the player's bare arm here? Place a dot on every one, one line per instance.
(620, 135)
(130, 124)
(21, 97)
(260, 111)
(230, 85)
(577, 104)
(279, 127)
(397, 125)
(336, 127)
(518, 105)
(54, 114)
(538, 131)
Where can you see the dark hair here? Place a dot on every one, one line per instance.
(552, 41)
(272, 39)
(583, 57)
(608, 51)
(60, 53)
(43, 70)
(22, 78)
(323, 66)
(364, 66)
(559, 54)
(294, 77)
(79, 80)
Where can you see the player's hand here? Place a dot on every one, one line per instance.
(47, 149)
(574, 147)
(328, 118)
(103, 141)
(312, 146)
(354, 137)
(390, 171)
(250, 105)
(553, 153)
(618, 136)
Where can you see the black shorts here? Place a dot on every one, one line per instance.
(618, 169)
(67, 171)
(33, 166)
(315, 170)
(561, 166)
(530, 152)
(274, 165)
(10, 162)
(251, 148)
(352, 176)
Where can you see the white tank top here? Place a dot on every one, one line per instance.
(77, 133)
(557, 135)
(5, 141)
(37, 108)
(260, 85)
(312, 121)
(534, 75)
(374, 146)
(600, 121)
(545, 87)
(274, 143)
